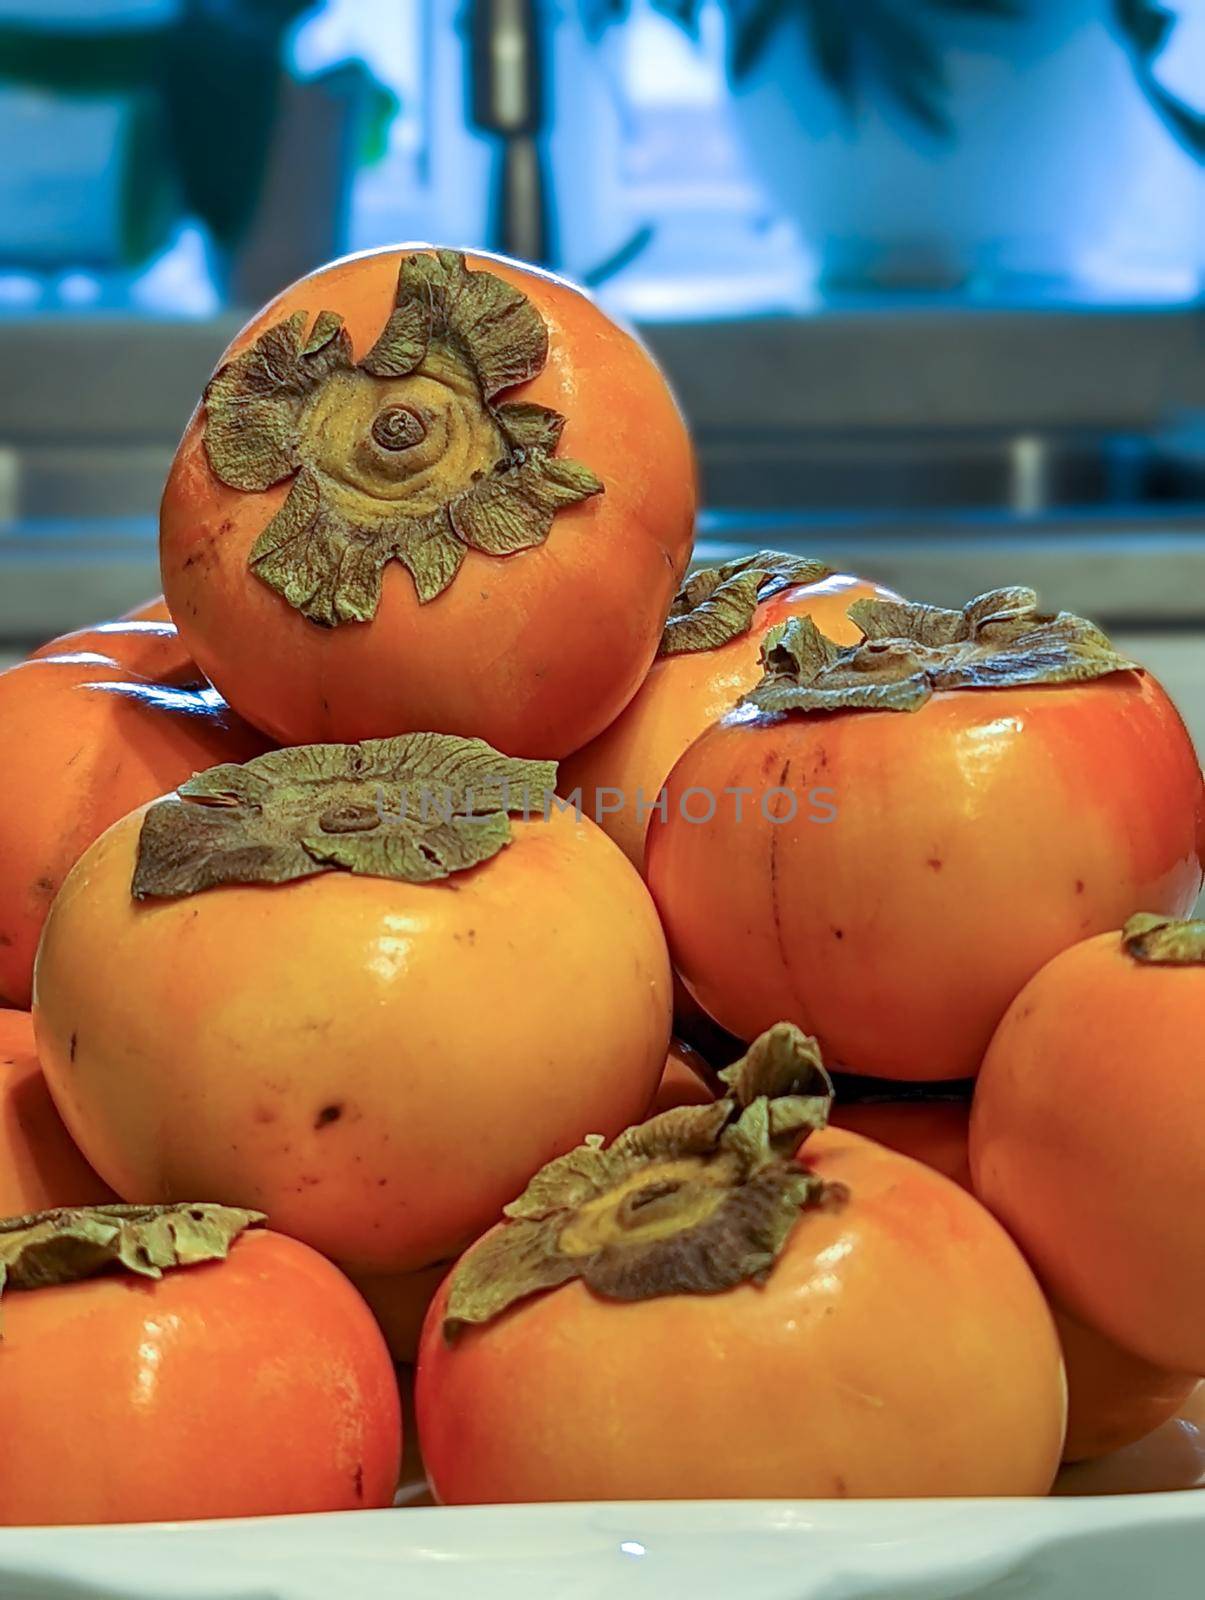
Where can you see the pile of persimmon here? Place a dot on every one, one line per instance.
(371, 1033)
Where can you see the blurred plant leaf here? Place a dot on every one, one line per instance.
(852, 43)
(1144, 24)
(1006, 10)
(216, 70)
(1145, 28)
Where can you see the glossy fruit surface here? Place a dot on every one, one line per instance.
(891, 879)
(379, 1065)
(93, 725)
(686, 1081)
(1088, 1141)
(252, 1386)
(535, 650)
(622, 771)
(896, 1334)
(1113, 1397)
(40, 1166)
(399, 1302)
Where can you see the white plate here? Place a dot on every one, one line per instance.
(1101, 1539)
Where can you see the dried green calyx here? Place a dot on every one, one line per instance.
(66, 1246)
(694, 1201)
(417, 807)
(1164, 941)
(716, 604)
(911, 652)
(405, 455)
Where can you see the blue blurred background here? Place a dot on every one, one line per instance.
(927, 274)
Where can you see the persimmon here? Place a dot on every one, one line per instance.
(153, 610)
(702, 1311)
(709, 656)
(1113, 1397)
(150, 648)
(93, 725)
(425, 490)
(399, 1301)
(687, 1080)
(887, 840)
(343, 984)
(210, 1372)
(1088, 1134)
(40, 1166)
(930, 1130)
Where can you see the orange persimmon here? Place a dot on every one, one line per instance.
(855, 1323)
(399, 1302)
(93, 725)
(40, 1166)
(710, 655)
(373, 524)
(153, 610)
(886, 841)
(1088, 1134)
(252, 1383)
(686, 1081)
(286, 987)
(1113, 1397)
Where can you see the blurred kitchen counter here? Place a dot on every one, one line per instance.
(861, 436)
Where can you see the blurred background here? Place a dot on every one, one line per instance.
(927, 274)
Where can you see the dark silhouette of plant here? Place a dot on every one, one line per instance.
(857, 46)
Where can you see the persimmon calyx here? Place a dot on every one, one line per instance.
(716, 604)
(416, 808)
(694, 1201)
(68, 1245)
(405, 455)
(1164, 941)
(911, 652)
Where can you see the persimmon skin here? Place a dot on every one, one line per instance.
(681, 697)
(686, 1080)
(399, 1301)
(1088, 1141)
(931, 1131)
(95, 724)
(380, 1066)
(899, 1347)
(968, 842)
(253, 1386)
(40, 1167)
(536, 652)
(1113, 1397)
(153, 610)
(145, 646)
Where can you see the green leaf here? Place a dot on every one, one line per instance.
(911, 652)
(416, 808)
(50, 1248)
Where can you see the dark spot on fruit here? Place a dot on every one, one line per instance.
(358, 1480)
(838, 933)
(264, 1114)
(327, 1115)
(1079, 886)
(191, 560)
(44, 886)
(840, 1487)
(936, 863)
(5, 939)
(71, 1048)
